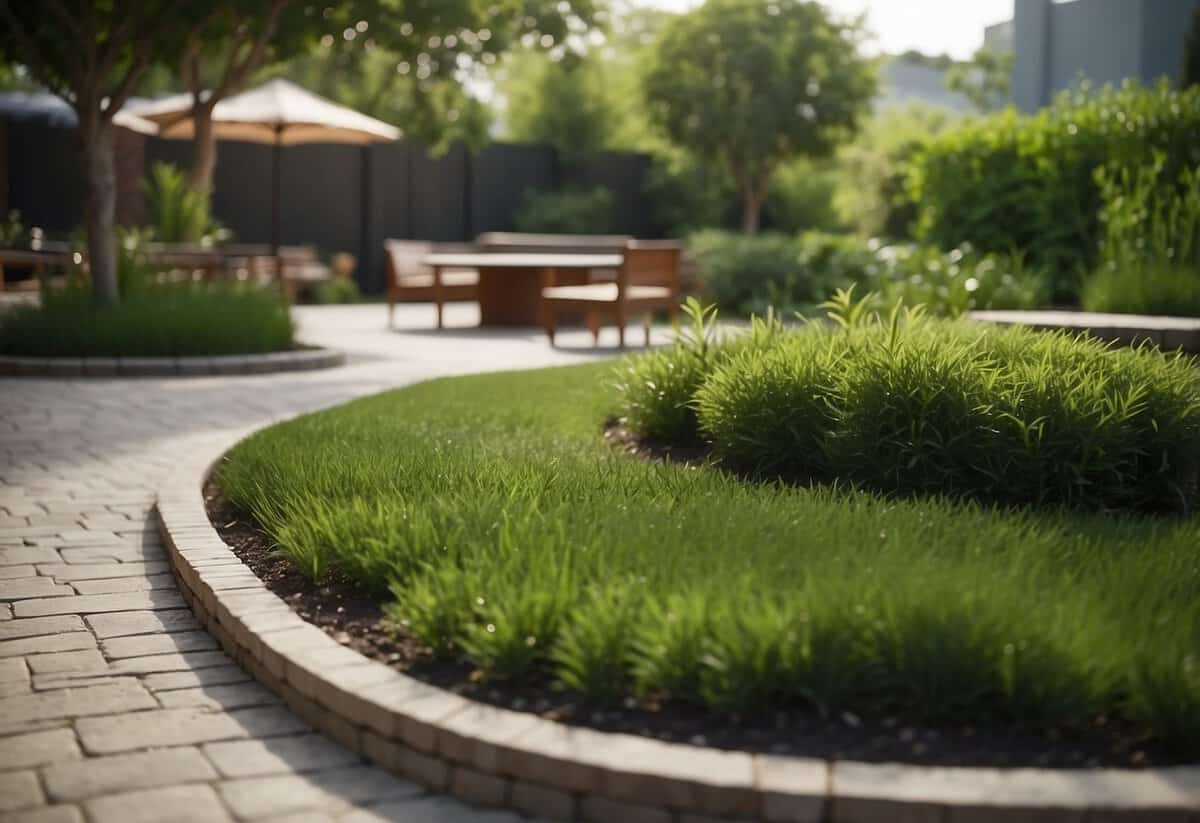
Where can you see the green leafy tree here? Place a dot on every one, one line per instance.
(218, 58)
(750, 86)
(94, 53)
(410, 62)
(399, 60)
(872, 193)
(560, 103)
(985, 80)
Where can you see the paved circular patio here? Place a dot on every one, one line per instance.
(115, 705)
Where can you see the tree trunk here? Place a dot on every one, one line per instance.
(751, 209)
(204, 149)
(97, 136)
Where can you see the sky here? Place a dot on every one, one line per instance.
(954, 27)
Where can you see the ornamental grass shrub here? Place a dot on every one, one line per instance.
(913, 405)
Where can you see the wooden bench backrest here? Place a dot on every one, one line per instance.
(651, 263)
(404, 257)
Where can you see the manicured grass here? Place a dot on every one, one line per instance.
(165, 320)
(489, 512)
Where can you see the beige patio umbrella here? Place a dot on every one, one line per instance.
(279, 113)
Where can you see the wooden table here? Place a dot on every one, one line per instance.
(510, 285)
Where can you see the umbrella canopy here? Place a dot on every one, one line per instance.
(52, 109)
(275, 112)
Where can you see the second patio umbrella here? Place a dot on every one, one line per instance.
(279, 113)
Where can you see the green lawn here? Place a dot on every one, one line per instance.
(490, 512)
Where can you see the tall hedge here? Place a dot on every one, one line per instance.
(1012, 182)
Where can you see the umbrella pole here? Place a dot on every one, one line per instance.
(276, 168)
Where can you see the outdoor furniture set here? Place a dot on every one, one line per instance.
(538, 280)
(300, 264)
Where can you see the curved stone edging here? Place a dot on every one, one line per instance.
(299, 360)
(496, 757)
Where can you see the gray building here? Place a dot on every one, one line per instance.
(1055, 44)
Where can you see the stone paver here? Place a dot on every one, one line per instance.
(177, 804)
(71, 781)
(38, 749)
(132, 714)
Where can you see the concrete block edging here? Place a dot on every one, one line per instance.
(271, 362)
(491, 756)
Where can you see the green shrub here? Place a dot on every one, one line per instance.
(749, 275)
(570, 211)
(744, 273)
(952, 283)
(921, 406)
(1011, 182)
(13, 234)
(801, 197)
(1150, 247)
(687, 195)
(334, 291)
(872, 194)
(1151, 288)
(176, 212)
(164, 320)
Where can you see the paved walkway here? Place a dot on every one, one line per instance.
(115, 705)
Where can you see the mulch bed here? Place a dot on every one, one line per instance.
(354, 618)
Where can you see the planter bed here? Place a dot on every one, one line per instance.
(1166, 332)
(297, 360)
(497, 757)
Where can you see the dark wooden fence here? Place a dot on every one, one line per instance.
(335, 197)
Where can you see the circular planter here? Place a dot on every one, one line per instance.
(298, 360)
(495, 757)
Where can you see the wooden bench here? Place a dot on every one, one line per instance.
(409, 279)
(646, 282)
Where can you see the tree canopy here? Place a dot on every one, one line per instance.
(750, 86)
(94, 53)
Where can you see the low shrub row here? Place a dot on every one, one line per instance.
(749, 275)
(166, 320)
(1011, 181)
(912, 405)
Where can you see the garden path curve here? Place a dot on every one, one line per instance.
(115, 705)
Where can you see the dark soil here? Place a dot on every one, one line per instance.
(354, 618)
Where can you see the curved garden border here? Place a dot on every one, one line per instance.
(298, 360)
(1166, 332)
(496, 757)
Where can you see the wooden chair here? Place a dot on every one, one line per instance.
(409, 279)
(648, 281)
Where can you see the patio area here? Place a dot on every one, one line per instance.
(94, 629)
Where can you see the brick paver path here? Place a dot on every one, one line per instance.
(115, 705)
